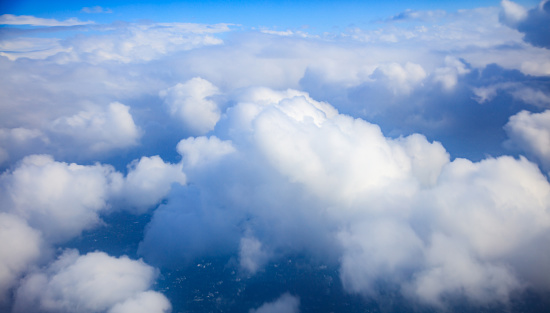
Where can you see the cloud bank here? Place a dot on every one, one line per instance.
(410, 158)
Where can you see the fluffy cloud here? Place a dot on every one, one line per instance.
(148, 181)
(191, 103)
(98, 130)
(48, 194)
(20, 245)
(285, 303)
(391, 207)
(530, 132)
(61, 200)
(533, 23)
(201, 151)
(94, 282)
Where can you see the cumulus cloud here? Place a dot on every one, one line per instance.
(530, 132)
(95, 282)
(285, 303)
(20, 245)
(148, 181)
(392, 207)
(48, 194)
(61, 200)
(191, 103)
(99, 130)
(200, 151)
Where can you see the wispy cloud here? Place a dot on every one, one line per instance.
(10, 19)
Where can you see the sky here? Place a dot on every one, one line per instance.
(262, 156)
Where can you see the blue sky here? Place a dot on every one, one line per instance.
(261, 156)
(318, 16)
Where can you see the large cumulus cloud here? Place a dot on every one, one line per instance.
(393, 210)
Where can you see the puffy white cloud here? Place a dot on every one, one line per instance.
(20, 245)
(95, 282)
(148, 181)
(57, 198)
(98, 130)
(61, 200)
(200, 151)
(387, 209)
(452, 271)
(530, 132)
(285, 303)
(191, 103)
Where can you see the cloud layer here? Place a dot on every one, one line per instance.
(411, 157)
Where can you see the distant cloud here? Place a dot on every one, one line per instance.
(535, 23)
(287, 303)
(96, 9)
(10, 19)
(530, 132)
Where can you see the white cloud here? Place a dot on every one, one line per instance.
(533, 23)
(274, 171)
(191, 103)
(400, 79)
(148, 181)
(318, 180)
(95, 282)
(512, 13)
(530, 132)
(10, 19)
(98, 130)
(49, 194)
(20, 245)
(252, 256)
(200, 151)
(144, 302)
(286, 303)
(17, 140)
(61, 200)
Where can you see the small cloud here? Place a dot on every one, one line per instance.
(287, 303)
(96, 9)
